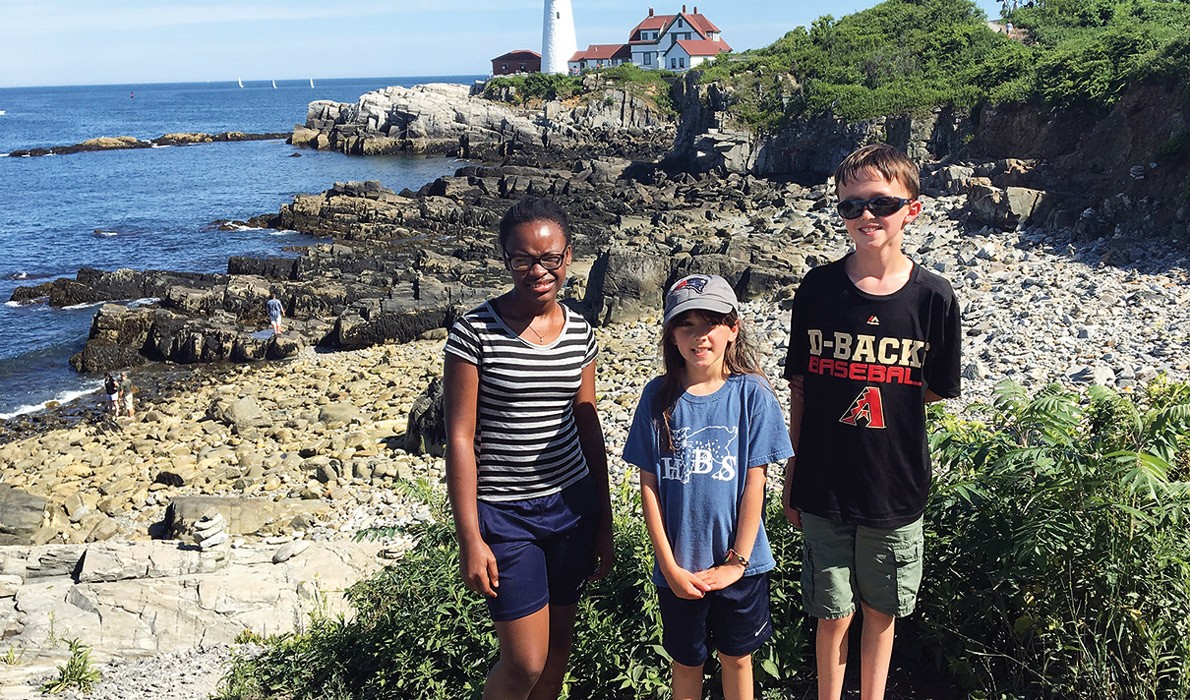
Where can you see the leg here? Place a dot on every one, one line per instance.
(687, 682)
(875, 655)
(549, 685)
(524, 647)
(737, 676)
(830, 653)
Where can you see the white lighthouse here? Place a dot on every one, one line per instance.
(557, 37)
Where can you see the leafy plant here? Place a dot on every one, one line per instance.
(76, 674)
(1061, 560)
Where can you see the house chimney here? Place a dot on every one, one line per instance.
(650, 12)
(696, 9)
(683, 9)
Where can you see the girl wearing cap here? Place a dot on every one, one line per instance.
(526, 468)
(703, 434)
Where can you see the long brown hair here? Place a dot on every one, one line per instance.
(738, 358)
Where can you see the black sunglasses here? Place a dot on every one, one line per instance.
(549, 261)
(879, 206)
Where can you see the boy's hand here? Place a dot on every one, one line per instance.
(794, 516)
(685, 584)
(477, 565)
(719, 577)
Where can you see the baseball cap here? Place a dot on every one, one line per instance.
(705, 292)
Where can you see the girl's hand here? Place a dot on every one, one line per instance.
(794, 516)
(477, 565)
(719, 577)
(605, 550)
(685, 584)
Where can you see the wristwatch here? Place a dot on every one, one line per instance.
(732, 554)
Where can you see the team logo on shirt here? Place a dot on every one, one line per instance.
(867, 410)
(873, 320)
(706, 451)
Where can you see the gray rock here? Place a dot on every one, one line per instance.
(20, 516)
(290, 550)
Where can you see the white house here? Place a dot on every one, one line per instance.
(659, 42)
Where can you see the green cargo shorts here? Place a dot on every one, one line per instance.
(843, 564)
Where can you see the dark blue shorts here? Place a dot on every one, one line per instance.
(735, 621)
(544, 548)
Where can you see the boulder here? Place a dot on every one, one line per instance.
(625, 284)
(243, 516)
(426, 429)
(1003, 208)
(239, 413)
(20, 516)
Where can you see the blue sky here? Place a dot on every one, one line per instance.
(84, 42)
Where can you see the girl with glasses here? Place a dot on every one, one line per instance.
(526, 466)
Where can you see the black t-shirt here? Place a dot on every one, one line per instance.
(109, 385)
(866, 362)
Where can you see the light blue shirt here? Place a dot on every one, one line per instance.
(701, 483)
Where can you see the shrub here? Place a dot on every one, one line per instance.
(76, 674)
(1060, 559)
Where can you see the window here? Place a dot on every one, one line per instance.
(522, 68)
(681, 63)
(503, 67)
(673, 63)
(648, 58)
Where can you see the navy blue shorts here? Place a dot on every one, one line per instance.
(544, 548)
(735, 621)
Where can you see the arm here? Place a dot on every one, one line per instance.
(751, 512)
(931, 397)
(590, 436)
(683, 583)
(796, 408)
(477, 564)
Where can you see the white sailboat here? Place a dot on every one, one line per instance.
(240, 81)
(311, 82)
(274, 84)
(2, 112)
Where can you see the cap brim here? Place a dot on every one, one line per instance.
(719, 307)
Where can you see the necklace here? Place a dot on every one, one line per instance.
(540, 337)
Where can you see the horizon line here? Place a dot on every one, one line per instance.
(233, 81)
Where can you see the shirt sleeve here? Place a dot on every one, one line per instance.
(640, 448)
(462, 342)
(768, 433)
(943, 372)
(592, 347)
(797, 354)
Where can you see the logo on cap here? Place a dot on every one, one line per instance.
(696, 283)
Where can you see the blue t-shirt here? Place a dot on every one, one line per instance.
(274, 308)
(701, 483)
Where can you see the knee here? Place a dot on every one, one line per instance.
(735, 663)
(522, 672)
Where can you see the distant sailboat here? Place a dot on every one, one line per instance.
(2, 113)
(274, 84)
(311, 82)
(240, 81)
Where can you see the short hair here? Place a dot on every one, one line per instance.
(890, 162)
(532, 209)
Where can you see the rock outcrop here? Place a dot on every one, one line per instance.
(453, 120)
(116, 143)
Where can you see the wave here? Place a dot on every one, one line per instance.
(88, 305)
(64, 397)
(146, 301)
(283, 232)
(229, 226)
(22, 275)
(105, 234)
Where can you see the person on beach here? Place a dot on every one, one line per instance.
(873, 338)
(126, 390)
(703, 435)
(276, 311)
(526, 468)
(112, 390)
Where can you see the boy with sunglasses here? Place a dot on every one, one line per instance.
(874, 337)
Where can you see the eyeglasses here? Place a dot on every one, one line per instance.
(879, 206)
(549, 261)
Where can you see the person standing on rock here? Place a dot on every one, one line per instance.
(126, 390)
(703, 436)
(873, 338)
(112, 390)
(525, 461)
(276, 311)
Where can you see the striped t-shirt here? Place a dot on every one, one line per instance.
(526, 441)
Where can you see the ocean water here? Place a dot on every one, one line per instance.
(150, 208)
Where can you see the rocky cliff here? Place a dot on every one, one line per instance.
(1095, 171)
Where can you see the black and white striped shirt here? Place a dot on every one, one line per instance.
(526, 441)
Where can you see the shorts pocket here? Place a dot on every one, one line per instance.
(908, 558)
